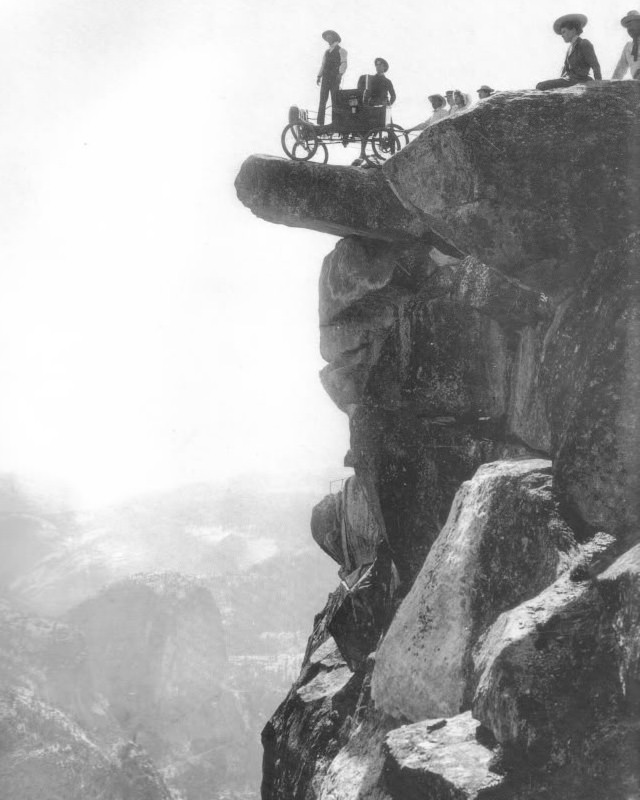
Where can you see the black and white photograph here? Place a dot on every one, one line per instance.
(319, 400)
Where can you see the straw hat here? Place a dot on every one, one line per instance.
(440, 97)
(331, 35)
(559, 23)
(630, 17)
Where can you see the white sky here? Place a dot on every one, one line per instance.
(152, 331)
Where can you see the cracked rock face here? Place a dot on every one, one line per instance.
(481, 327)
(559, 673)
(592, 374)
(504, 541)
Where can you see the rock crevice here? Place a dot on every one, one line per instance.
(480, 323)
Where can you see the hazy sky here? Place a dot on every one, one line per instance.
(152, 331)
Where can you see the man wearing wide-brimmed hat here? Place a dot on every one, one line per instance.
(334, 64)
(484, 91)
(377, 90)
(629, 60)
(581, 57)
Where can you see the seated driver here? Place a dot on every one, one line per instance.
(377, 90)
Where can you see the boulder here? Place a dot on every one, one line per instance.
(346, 528)
(504, 541)
(477, 177)
(443, 759)
(326, 526)
(303, 736)
(337, 200)
(560, 672)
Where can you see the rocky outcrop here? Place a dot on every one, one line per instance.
(305, 195)
(591, 375)
(441, 758)
(481, 335)
(553, 672)
(346, 527)
(504, 541)
(304, 734)
(156, 653)
(526, 178)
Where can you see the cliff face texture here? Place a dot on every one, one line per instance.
(481, 326)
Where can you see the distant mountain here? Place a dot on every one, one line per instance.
(58, 736)
(199, 529)
(177, 619)
(156, 652)
(45, 754)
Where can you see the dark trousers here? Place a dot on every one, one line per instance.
(328, 86)
(559, 83)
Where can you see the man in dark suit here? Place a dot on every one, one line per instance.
(334, 64)
(581, 57)
(377, 90)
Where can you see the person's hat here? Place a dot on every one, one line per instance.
(561, 21)
(630, 17)
(385, 64)
(440, 97)
(331, 35)
(485, 88)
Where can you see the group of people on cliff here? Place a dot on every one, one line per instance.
(580, 61)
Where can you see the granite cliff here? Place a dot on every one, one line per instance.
(480, 321)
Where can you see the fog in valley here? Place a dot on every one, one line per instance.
(172, 624)
(164, 435)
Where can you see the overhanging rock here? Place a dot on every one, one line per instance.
(337, 200)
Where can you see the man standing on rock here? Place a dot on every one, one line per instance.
(333, 67)
(580, 58)
(377, 89)
(629, 59)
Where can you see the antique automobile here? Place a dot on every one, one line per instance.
(354, 121)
